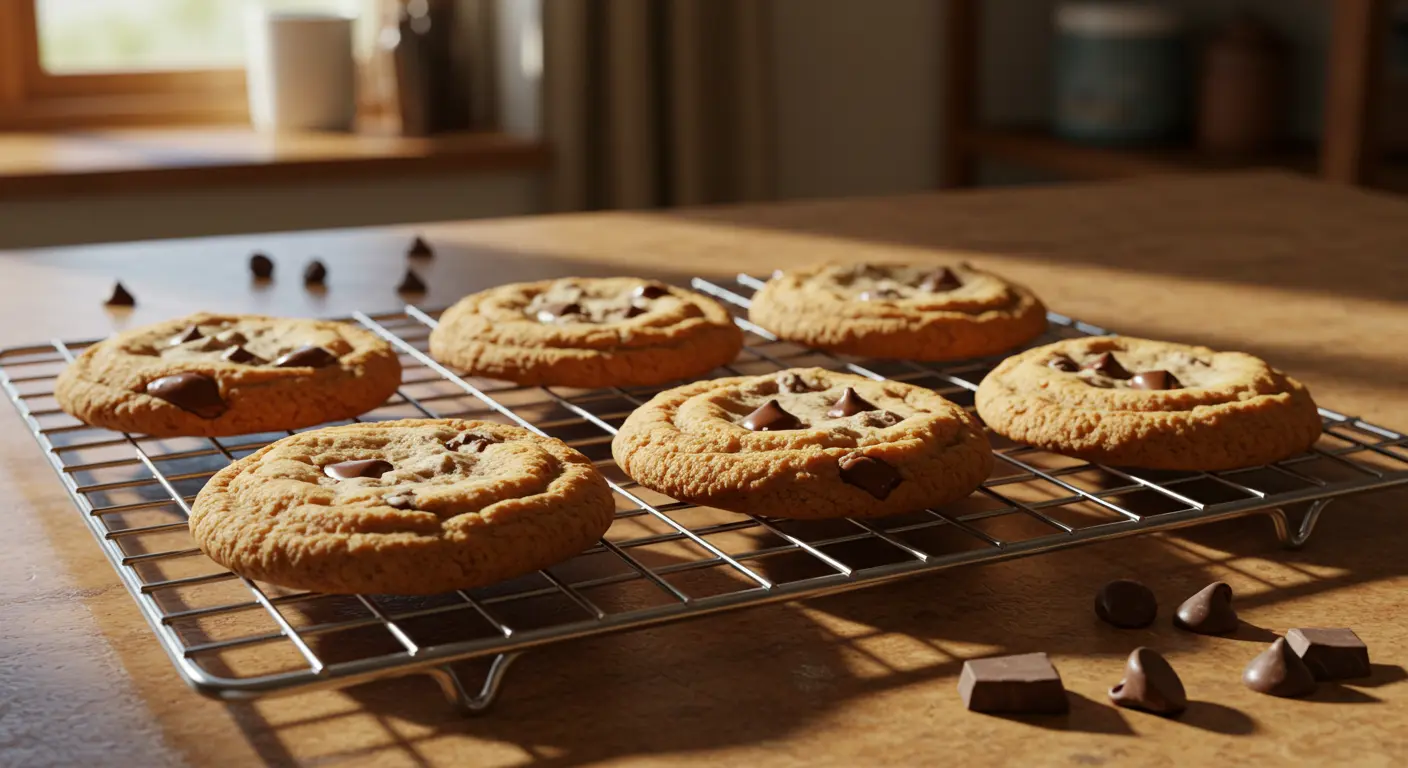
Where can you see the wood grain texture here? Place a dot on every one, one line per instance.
(1310, 276)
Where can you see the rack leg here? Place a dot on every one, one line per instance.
(458, 695)
(1297, 539)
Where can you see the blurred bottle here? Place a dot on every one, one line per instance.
(420, 38)
(1242, 95)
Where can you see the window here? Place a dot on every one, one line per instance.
(76, 63)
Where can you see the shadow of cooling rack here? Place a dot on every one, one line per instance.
(661, 561)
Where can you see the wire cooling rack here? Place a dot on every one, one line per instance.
(661, 561)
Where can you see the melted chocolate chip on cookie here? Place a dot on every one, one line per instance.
(400, 501)
(554, 312)
(194, 392)
(1063, 363)
(787, 381)
(238, 354)
(879, 294)
(347, 470)
(191, 333)
(771, 418)
(940, 280)
(873, 476)
(650, 291)
(1107, 365)
(306, 357)
(850, 404)
(467, 442)
(1154, 380)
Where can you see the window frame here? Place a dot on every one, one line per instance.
(32, 98)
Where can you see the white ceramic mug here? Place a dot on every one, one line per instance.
(301, 71)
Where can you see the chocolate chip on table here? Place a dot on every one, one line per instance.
(419, 248)
(553, 312)
(1150, 684)
(400, 501)
(306, 357)
(941, 279)
(1063, 363)
(346, 470)
(850, 404)
(873, 476)
(467, 442)
(191, 333)
(315, 273)
(1331, 654)
(770, 417)
(1026, 684)
(1278, 671)
(120, 297)
(1126, 604)
(238, 354)
(1154, 380)
(261, 266)
(194, 392)
(411, 283)
(1106, 364)
(650, 291)
(1209, 612)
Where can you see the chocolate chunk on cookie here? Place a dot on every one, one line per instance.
(389, 508)
(780, 445)
(1139, 403)
(586, 332)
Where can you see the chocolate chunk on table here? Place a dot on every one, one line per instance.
(411, 283)
(419, 248)
(1015, 685)
(1126, 604)
(1278, 671)
(1150, 684)
(1331, 654)
(261, 266)
(315, 273)
(1209, 612)
(120, 297)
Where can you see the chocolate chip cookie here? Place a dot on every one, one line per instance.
(210, 375)
(804, 443)
(402, 507)
(907, 311)
(1139, 403)
(586, 332)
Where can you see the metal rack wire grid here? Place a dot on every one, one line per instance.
(661, 561)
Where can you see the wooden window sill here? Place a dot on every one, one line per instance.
(100, 162)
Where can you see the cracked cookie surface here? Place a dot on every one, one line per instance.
(417, 506)
(902, 311)
(586, 332)
(209, 375)
(804, 443)
(1140, 403)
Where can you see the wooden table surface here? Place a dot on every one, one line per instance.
(1312, 277)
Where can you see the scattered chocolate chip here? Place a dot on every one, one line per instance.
(261, 266)
(941, 279)
(553, 312)
(238, 354)
(850, 404)
(789, 381)
(306, 357)
(1209, 612)
(1022, 684)
(873, 476)
(1278, 671)
(879, 294)
(346, 470)
(468, 442)
(1154, 380)
(770, 417)
(650, 291)
(1106, 364)
(1126, 604)
(1150, 684)
(1331, 654)
(120, 297)
(315, 273)
(419, 248)
(400, 501)
(1063, 363)
(194, 392)
(190, 334)
(411, 283)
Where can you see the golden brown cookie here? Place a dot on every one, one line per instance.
(210, 375)
(402, 507)
(804, 443)
(1139, 403)
(904, 311)
(586, 332)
